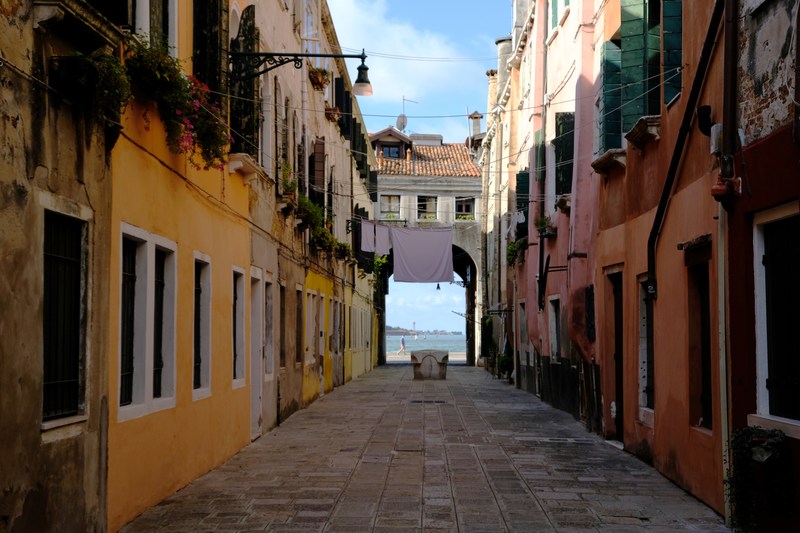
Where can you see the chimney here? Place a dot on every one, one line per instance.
(476, 118)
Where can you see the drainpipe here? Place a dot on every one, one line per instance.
(729, 138)
(680, 142)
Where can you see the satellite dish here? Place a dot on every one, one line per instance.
(402, 120)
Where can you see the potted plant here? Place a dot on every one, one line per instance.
(288, 183)
(544, 226)
(332, 113)
(319, 77)
(191, 119)
(343, 250)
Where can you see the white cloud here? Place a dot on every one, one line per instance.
(370, 25)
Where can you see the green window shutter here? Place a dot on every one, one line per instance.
(610, 110)
(540, 165)
(632, 32)
(523, 191)
(553, 13)
(640, 39)
(565, 147)
(673, 48)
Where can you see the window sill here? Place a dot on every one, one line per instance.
(239, 383)
(790, 427)
(129, 412)
(201, 393)
(62, 422)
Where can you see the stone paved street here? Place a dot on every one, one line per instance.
(386, 453)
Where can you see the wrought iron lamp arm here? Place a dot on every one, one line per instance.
(249, 65)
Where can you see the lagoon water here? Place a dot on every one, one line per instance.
(451, 343)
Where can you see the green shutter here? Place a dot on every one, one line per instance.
(523, 192)
(610, 111)
(673, 48)
(565, 148)
(540, 165)
(640, 41)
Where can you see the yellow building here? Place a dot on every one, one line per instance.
(179, 282)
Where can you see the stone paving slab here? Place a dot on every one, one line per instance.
(471, 453)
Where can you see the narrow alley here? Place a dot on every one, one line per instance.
(385, 453)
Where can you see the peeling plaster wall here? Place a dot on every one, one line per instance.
(766, 66)
(52, 157)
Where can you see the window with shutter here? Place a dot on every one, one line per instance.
(245, 107)
(523, 194)
(564, 147)
(610, 112)
(640, 59)
(673, 48)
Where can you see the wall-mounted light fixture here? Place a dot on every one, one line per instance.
(248, 65)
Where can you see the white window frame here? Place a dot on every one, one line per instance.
(762, 416)
(385, 215)
(204, 391)
(238, 336)
(142, 17)
(143, 401)
(435, 210)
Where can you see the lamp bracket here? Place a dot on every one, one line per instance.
(248, 65)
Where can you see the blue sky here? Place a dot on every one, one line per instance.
(434, 54)
(440, 51)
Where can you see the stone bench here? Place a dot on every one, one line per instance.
(429, 364)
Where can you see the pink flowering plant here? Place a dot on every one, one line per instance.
(193, 122)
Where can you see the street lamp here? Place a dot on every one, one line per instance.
(248, 65)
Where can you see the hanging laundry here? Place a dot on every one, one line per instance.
(367, 236)
(422, 255)
(382, 241)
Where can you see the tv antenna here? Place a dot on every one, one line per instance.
(402, 120)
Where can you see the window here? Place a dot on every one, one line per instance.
(465, 208)
(237, 317)
(523, 193)
(558, 10)
(609, 110)
(554, 321)
(426, 207)
(201, 374)
(699, 335)
(673, 48)
(640, 41)
(63, 315)
(390, 150)
(522, 337)
(390, 206)
(564, 144)
(298, 326)
(269, 334)
(147, 323)
(283, 325)
(245, 107)
(158, 20)
(777, 291)
(646, 360)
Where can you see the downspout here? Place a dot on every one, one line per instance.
(729, 129)
(680, 142)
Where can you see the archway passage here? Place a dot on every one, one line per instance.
(465, 268)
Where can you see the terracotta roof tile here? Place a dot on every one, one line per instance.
(443, 160)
